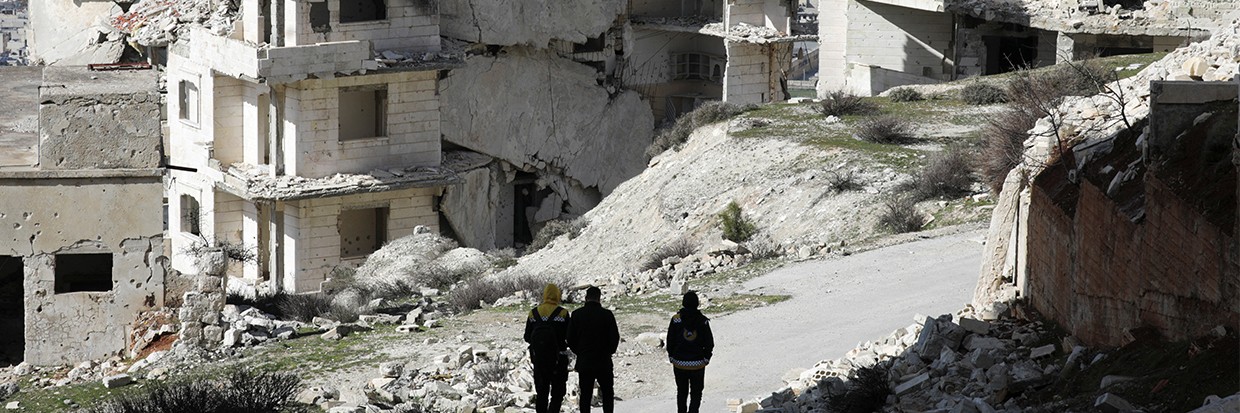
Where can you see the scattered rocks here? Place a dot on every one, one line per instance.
(8, 389)
(653, 340)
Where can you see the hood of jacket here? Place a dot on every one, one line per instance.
(551, 300)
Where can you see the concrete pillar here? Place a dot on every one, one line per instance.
(251, 24)
(290, 247)
(1064, 46)
(249, 238)
(289, 116)
(293, 9)
(833, 45)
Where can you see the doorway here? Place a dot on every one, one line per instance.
(12, 312)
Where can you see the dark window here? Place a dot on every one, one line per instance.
(191, 215)
(12, 316)
(83, 272)
(593, 44)
(353, 11)
(363, 114)
(320, 17)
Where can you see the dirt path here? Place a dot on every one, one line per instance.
(834, 305)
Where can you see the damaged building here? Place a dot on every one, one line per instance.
(80, 202)
(309, 136)
(685, 53)
(878, 44)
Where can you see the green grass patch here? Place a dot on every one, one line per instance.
(740, 302)
(87, 394)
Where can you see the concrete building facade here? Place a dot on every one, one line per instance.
(293, 142)
(80, 204)
(686, 53)
(869, 46)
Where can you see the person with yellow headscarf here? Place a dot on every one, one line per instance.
(546, 330)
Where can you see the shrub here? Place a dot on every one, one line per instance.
(886, 129)
(900, 215)
(1003, 145)
(948, 174)
(467, 296)
(503, 258)
(343, 313)
(842, 182)
(736, 227)
(239, 390)
(267, 303)
(678, 133)
(841, 103)
(865, 391)
(762, 248)
(554, 229)
(680, 247)
(491, 372)
(905, 94)
(304, 307)
(982, 94)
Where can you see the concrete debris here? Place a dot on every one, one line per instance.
(112, 382)
(8, 389)
(952, 378)
(255, 182)
(536, 23)
(159, 23)
(1110, 403)
(1214, 404)
(1152, 18)
(740, 32)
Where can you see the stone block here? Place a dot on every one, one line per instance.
(1110, 403)
(911, 384)
(118, 380)
(975, 326)
(1043, 351)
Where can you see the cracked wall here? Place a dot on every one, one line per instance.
(67, 32)
(99, 120)
(552, 120)
(118, 216)
(531, 22)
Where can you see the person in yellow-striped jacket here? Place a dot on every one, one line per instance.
(689, 347)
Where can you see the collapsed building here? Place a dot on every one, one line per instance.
(309, 135)
(686, 53)
(878, 44)
(81, 253)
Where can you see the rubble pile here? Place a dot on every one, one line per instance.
(161, 22)
(255, 181)
(970, 361)
(1153, 18)
(675, 272)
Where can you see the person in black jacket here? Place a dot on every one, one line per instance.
(546, 330)
(689, 347)
(594, 336)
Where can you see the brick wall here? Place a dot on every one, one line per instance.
(1099, 274)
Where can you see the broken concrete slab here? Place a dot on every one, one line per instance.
(912, 384)
(112, 382)
(1110, 403)
(568, 125)
(975, 326)
(534, 23)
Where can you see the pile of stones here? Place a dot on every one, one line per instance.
(967, 362)
(675, 272)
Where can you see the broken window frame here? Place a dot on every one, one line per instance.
(190, 110)
(191, 215)
(71, 283)
(381, 103)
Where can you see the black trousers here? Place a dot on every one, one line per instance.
(550, 383)
(689, 386)
(605, 376)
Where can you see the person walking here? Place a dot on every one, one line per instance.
(593, 336)
(689, 347)
(546, 330)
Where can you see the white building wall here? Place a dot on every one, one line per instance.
(317, 250)
(747, 77)
(911, 41)
(412, 125)
(833, 22)
(227, 119)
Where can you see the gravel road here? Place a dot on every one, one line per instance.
(835, 305)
